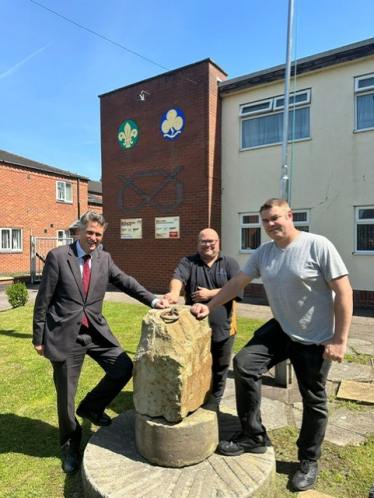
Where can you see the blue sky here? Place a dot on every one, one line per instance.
(52, 71)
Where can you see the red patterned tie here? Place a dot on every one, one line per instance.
(86, 281)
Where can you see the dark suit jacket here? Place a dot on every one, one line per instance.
(60, 303)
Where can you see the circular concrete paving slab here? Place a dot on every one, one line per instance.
(112, 468)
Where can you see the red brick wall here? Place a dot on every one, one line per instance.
(197, 152)
(28, 201)
(94, 207)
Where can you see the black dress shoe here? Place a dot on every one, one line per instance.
(71, 461)
(71, 464)
(305, 477)
(100, 419)
(241, 443)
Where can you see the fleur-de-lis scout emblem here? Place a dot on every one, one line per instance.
(128, 134)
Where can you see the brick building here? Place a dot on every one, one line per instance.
(37, 200)
(95, 196)
(161, 164)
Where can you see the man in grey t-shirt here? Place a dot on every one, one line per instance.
(301, 273)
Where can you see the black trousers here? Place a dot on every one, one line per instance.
(221, 357)
(270, 346)
(118, 371)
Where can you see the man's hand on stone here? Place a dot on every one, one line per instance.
(162, 304)
(200, 310)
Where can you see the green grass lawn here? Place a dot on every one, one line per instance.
(30, 464)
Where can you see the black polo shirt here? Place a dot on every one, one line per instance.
(194, 273)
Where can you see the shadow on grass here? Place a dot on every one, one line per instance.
(288, 469)
(14, 334)
(28, 436)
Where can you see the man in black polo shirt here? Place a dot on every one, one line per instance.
(202, 276)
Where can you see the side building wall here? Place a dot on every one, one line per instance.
(331, 173)
(29, 203)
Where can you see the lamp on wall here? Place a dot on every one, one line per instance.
(141, 96)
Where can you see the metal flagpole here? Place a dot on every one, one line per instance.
(283, 371)
(285, 181)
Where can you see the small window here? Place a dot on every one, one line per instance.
(364, 88)
(250, 231)
(10, 240)
(64, 192)
(364, 83)
(365, 229)
(256, 107)
(262, 121)
(63, 237)
(301, 220)
(298, 98)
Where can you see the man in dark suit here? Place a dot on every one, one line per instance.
(68, 324)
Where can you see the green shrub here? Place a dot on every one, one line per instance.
(17, 294)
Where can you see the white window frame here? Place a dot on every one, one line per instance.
(304, 98)
(274, 105)
(13, 233)
(245, 109)
(360, 222)
(64, 192)
(362, 91)
(63, 237)
(302, 223)
(244, 225)
(363, 78)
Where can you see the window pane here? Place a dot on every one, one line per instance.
(299, 217)
(294, 99)
(262, 106)
(365, 82)
(365, 111)
(303, 228)
(366, 214)
(60, 191)
(251, 238)
(16, 239)
(267, 130)
(262, 131)
(69, 192)
(5, 239)
(250, 218)
(365, 237)
(299, 124)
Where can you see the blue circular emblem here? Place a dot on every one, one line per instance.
(172, 123)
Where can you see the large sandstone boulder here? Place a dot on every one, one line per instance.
(172, 366)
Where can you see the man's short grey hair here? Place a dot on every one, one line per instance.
(275, 201)
(92, 217)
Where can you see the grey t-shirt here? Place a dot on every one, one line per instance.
(296, 283)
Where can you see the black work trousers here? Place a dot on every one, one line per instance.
(221, 357)
(118, 371)
(270, 346)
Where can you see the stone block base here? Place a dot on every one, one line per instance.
(179, 444)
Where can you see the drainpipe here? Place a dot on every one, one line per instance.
(79, 198)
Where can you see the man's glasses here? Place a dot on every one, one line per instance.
(204, 242)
